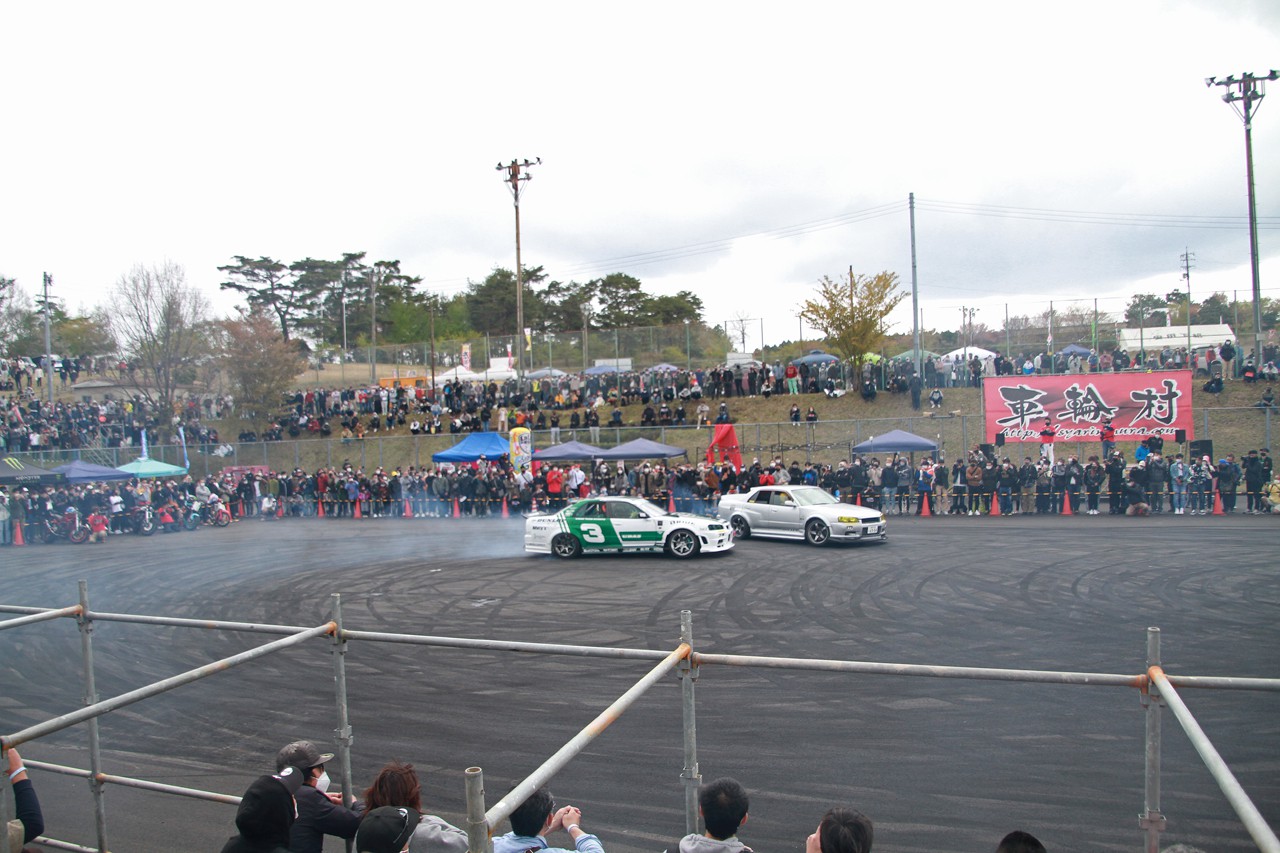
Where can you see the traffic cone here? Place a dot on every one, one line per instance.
(1066, 504)
(671, 503)
(319, 508)
(506, 513)
(1217, 503)
(925, 500)
(995, 504)
(457, 510)
(857, 498)
(408, 511)
(279, 509)
(17, 534)
(358, 515)
(240, 514)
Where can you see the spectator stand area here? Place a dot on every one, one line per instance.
(1156, 691)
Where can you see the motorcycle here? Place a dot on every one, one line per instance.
(67, 526)
(141, 520)
(212, 511)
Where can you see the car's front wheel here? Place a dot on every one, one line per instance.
(741, 529)
(682, 544)
(816, 532)
(566, 546)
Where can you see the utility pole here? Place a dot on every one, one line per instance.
(915, 290)
(515, 173)
(1187, 259)
(432, 303)
(48, 340)
(1243, 95)
(373, 325)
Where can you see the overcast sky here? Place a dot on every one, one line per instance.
(738, 150)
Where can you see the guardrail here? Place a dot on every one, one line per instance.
(1156, 690)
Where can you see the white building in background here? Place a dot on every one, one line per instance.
(1159, 337)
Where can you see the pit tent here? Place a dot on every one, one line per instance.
(80, 471)
(642, 448)
(490, 445)
(570, 451)
(896, 441)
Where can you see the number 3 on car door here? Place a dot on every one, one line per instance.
(592, 533)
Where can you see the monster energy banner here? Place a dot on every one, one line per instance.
(13, 471)
(1138, 404)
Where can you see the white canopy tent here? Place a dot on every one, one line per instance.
(968, 352)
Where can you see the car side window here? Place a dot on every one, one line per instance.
(779, 498)
(621, 509)
(761, 497)
(591, 510)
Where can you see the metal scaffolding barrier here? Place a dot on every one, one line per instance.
(1156, 690)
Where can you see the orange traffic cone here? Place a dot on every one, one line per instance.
(279, 509)
(995, 504)
(457, 510)
(319, 508)
(925, 500)
(240, 514)
(1066, 504)
(17, 534)
(1217, 503)
(408, 511)
(358, 515)
(671, 503)
(857, 498)
(506, 513)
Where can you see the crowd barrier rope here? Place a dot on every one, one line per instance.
(1156, 690)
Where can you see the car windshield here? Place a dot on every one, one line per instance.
(652, 509)
(813, 497)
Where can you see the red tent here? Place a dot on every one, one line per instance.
(725, 440)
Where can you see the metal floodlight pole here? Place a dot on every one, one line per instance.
(1244, 94)
(516, 172)
(49, 343)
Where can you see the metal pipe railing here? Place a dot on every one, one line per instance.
(131, 782)
(1227, 782)
(97, 709)
(41, 616)
(502, 809)
(1155, 685)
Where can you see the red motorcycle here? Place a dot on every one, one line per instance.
(67, 526)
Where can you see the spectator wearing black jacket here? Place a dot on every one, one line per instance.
(319, 812)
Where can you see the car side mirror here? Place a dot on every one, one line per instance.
(788, 503)
(643, 515)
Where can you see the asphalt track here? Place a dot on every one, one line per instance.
(939, 765)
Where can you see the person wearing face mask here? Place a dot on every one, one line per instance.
(319, 812)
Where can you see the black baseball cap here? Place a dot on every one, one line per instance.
(302, 753)
(386, 829)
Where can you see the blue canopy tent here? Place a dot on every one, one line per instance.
(816, 356)
(1075, 349)
(490, 445)
(80, 471)
(642, 448)
(570, 451)
(600, 370)
(895, 441)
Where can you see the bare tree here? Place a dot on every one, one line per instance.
(258, 362)
(160, 324)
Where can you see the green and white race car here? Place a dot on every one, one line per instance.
(617, 524)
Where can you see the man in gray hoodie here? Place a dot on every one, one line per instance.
(723, 804)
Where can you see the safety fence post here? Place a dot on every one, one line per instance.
(1151, 819)
(5, 786)
(343, 733)
(85, 622)
(478, 840)
(692, 776)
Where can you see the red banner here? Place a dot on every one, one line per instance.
(1138, 404)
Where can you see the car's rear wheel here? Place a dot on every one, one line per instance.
(741, 529)
(566, 546)
(816, 532)
(682, 544)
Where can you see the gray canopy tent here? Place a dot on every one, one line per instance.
(642, 448)
(896, 441)
(570, 451)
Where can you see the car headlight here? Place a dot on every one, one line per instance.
(715, 527)
(849, 519)
(882, 518)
